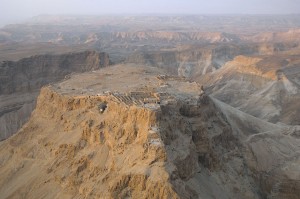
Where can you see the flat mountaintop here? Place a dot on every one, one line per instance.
(127, 78)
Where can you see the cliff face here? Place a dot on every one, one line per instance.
(86, 153)
(69, 149)
(31, 73)
(21, 80)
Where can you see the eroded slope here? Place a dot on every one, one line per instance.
(265, 86)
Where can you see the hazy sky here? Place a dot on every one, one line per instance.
(15, 10)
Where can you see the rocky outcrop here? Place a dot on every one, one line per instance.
(108, 150)
(21, 80)
(70, 148)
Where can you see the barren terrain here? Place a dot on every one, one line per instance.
(150, 107)
(185, 145)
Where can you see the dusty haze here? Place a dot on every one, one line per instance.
(15, 11)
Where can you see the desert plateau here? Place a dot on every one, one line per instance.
(150, 107)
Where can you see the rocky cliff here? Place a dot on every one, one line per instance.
(114, 142)
(21, 80)
(31, 73)
(70, 149)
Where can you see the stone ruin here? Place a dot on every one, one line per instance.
(139, 98)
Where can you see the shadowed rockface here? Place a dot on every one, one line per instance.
(21, 80)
